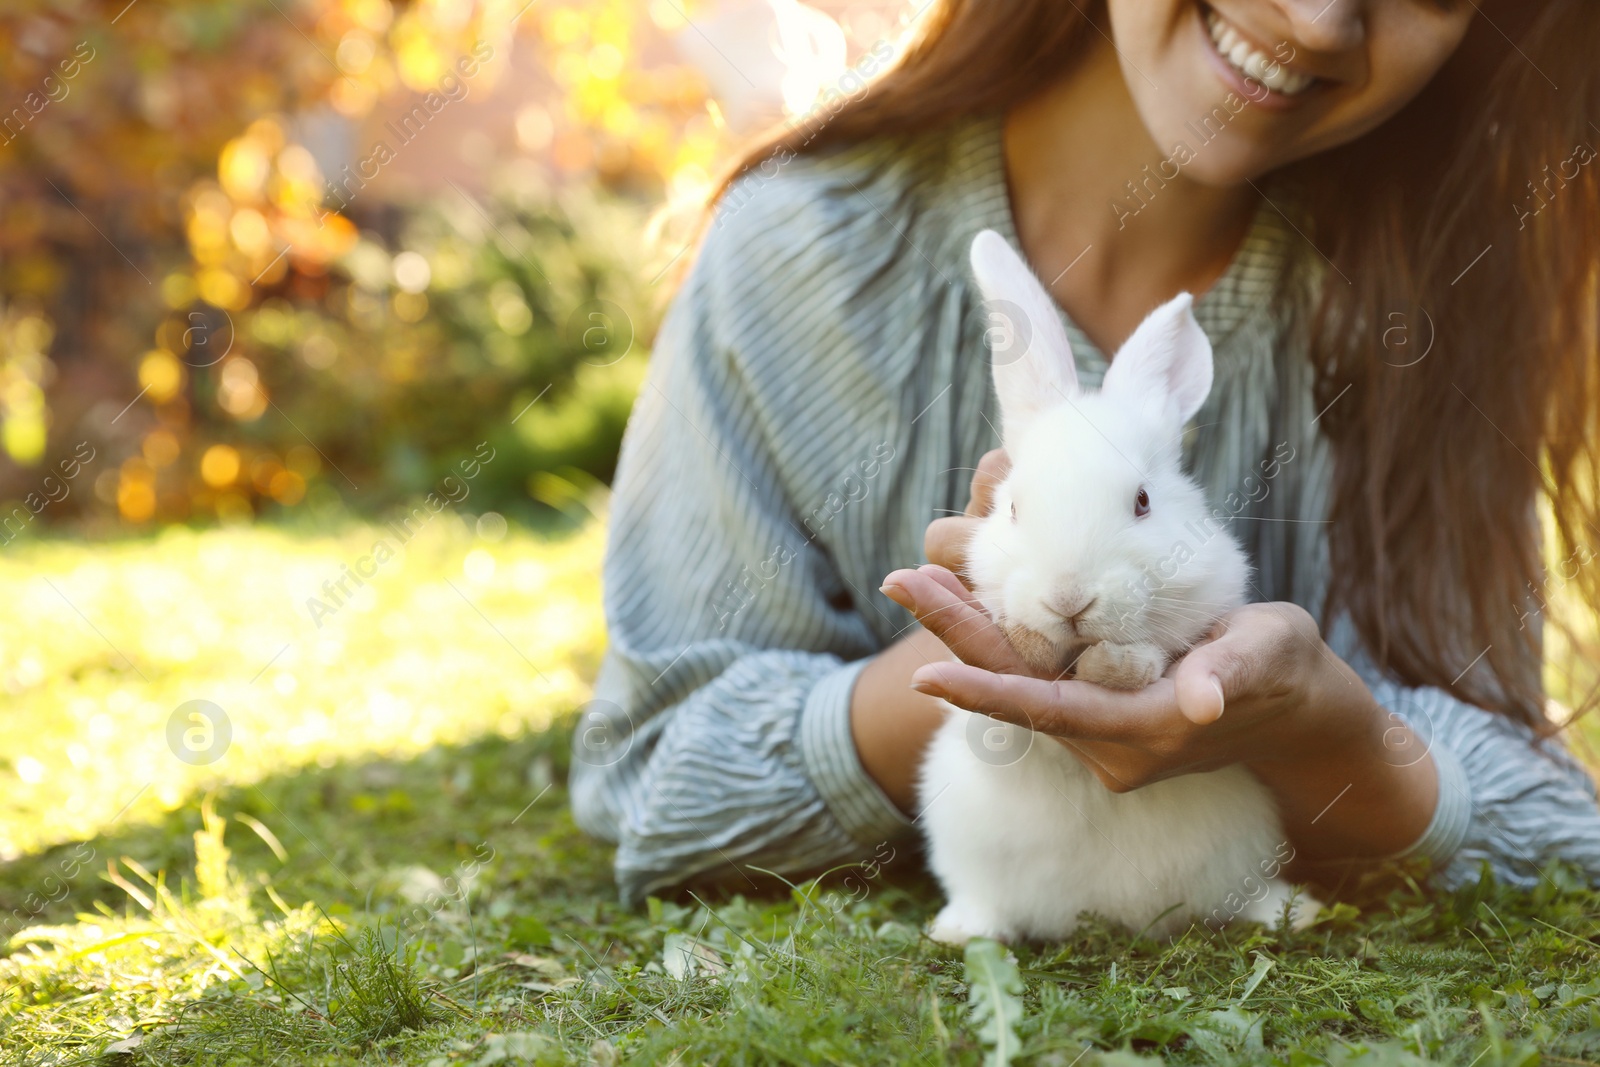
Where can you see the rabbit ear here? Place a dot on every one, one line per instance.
(1033, 367)
(1167, 361)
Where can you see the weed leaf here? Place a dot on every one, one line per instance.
(684, 955)
(1257, 976)
(994, 999)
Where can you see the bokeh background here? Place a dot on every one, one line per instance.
(291, 258)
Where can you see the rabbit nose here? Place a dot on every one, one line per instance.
(1072, 610)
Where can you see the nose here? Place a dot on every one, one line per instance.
(1325, 25)
(1071, 607)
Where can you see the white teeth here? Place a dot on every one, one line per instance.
(1252, 62)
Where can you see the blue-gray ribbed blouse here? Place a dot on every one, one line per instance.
(819, 391)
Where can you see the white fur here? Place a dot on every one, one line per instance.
(1023, 837)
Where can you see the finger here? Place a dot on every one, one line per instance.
(1203, 679)
(956, 618)
(948, 580)
(1078, 710)
(1253, 654)
(992, 470)
(946, 541)
(1202, 696)
(906, 585)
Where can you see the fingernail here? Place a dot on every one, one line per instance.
(897, 594)
(1222, 701)
(925, 687)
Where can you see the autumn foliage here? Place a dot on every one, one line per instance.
(194, 288)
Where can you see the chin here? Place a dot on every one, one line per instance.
(1041, 653)
(1216, 124)
(1232, 160)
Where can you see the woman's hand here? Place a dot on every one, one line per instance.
(1264, 664)
(1263, 690)
(946, 540)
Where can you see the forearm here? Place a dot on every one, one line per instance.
(891, 722)
(1352, 782)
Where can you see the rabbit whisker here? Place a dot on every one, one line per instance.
(1264, 518)
(1176, 606)
(952, 607)
(1179, 611)
(1182, 610)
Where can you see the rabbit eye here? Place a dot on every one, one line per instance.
(1013, 511)
(1141, 504)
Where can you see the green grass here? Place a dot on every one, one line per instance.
(381, 867)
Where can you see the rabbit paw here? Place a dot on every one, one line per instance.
(955, 925)
(1268, 911)
(1121, 666)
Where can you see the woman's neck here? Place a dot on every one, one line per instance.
(1107, 252)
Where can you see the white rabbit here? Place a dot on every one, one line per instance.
(1100, 550)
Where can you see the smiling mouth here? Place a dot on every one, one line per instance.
(1241, 53)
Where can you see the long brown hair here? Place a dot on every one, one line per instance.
(1463, 217)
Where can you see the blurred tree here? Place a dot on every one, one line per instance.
(231, 328)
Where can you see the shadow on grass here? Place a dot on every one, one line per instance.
(344, 835)
(333, 834)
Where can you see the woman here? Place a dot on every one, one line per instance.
(1387, 211)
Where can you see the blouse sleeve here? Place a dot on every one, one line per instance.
(719, 736)
(1504, 797)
